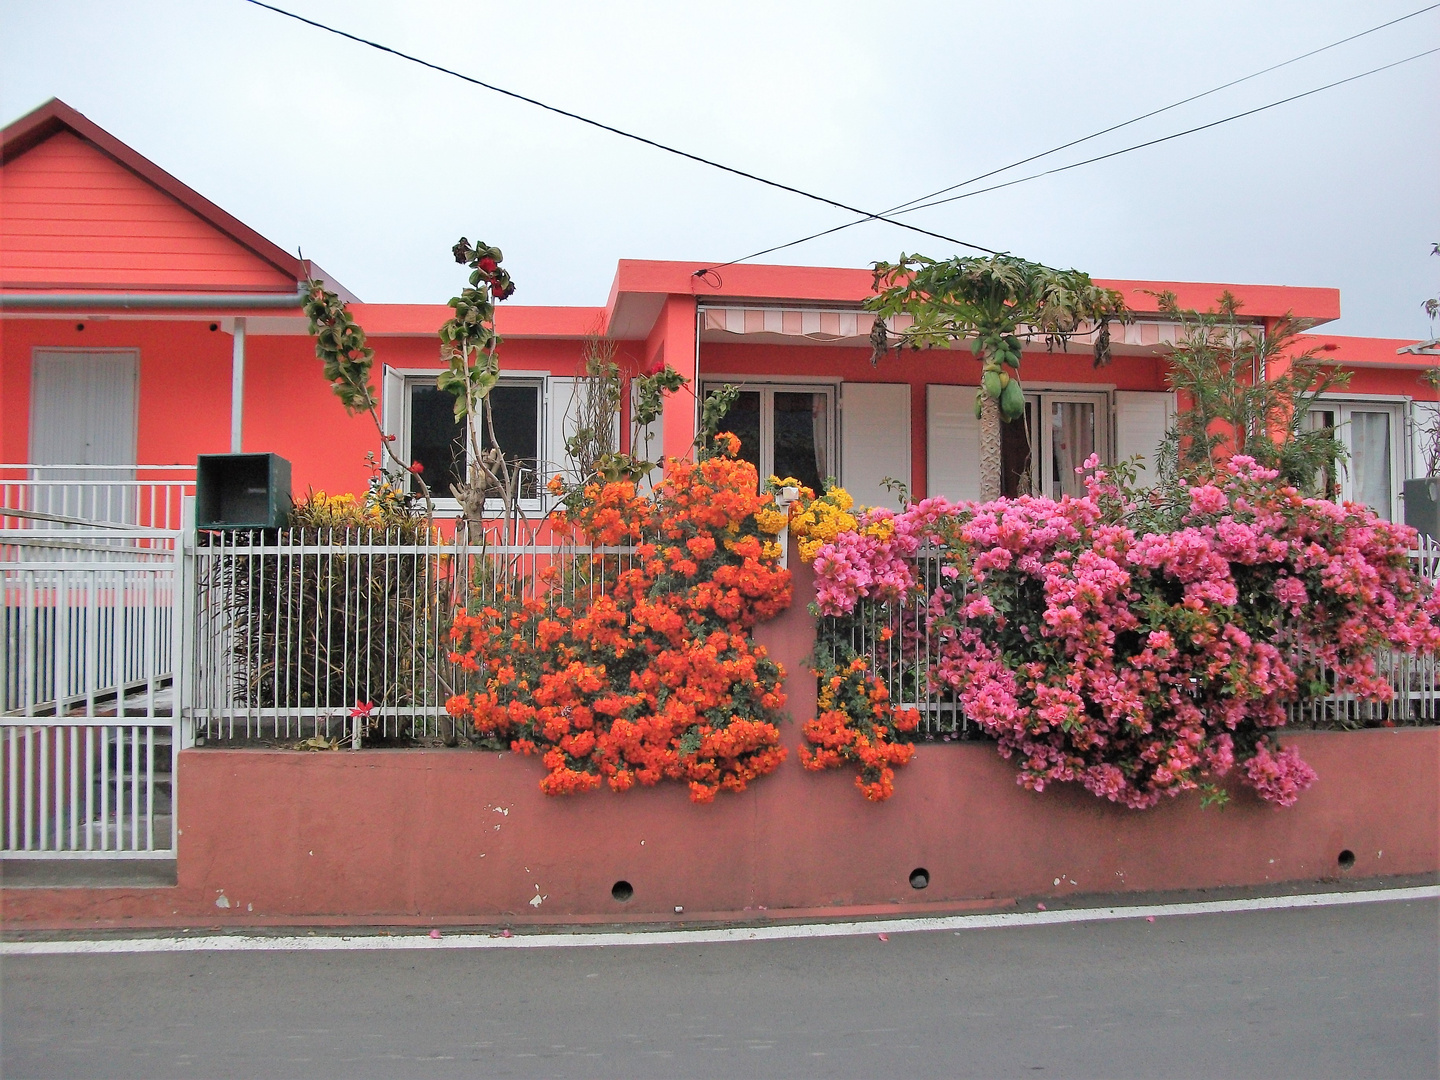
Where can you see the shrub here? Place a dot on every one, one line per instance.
(1143, 644)
(318, 628)
(657, 677)
(855, 724)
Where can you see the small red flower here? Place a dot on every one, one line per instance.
(488, 265)
(362, 708)
(416, 468)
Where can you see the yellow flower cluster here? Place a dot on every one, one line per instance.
(881, 529)
(322, 511)
(819, 520)
(770, 520)
(384, 506)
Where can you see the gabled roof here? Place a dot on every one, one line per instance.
(55, 117)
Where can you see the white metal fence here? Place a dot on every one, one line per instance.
(896, 640)
(121, 633)
(336, 634)
(87, 712)
(51, 496)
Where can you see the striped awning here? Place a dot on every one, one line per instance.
(830, 326)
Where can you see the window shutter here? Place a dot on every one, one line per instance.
(1424, 415)
(649, 440)
(874, 440)
(952, 442)
(1141, 420)
(392, 411)
(560, 424)
(562, 420)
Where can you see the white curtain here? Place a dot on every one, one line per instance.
(820, 431)
(1370, 460)
(1072, 440)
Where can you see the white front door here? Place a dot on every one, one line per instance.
(82, 412)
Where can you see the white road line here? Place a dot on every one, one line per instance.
(331, 942)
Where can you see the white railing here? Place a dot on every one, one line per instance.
(87, 788)
(1415, 680)
(88, 728)
(61, 496)
(896, 640)
(295, 632)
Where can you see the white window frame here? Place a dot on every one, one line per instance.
(1398, 408)
(767, 388)
(1041, 398)
(445, 504)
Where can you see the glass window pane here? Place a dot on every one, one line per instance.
(437, 439)
(802, 435)
(516, 414)
(1015, 455)
(1323, 420)
(743, 421)
(1370, 460)
(1072, 440)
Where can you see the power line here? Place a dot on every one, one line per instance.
(908, 205)
(1165, 108)
(1176, 135)
(617, 131)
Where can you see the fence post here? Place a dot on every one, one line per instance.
(783, 500)
(182, 630)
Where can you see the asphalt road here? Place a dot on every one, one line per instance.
(1331, 992)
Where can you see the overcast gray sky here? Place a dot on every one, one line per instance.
(374, 166)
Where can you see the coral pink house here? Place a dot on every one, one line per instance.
(143, 325)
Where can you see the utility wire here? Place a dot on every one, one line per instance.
(617, 131)
(1165, 108)
(1176, 135)
(907, 206)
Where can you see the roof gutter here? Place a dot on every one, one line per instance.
(49, 301)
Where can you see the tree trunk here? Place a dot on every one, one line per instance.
(990, 462)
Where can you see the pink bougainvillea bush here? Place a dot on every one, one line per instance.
(1144, 644)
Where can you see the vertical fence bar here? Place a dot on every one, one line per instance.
(73, 766)
(89, 788)
(104, 749)
(12, 810)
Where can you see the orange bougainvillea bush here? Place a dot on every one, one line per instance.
(856, 724)
(635, 664)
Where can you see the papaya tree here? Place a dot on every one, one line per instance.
(998, 302)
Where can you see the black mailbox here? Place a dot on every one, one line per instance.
(242, 491)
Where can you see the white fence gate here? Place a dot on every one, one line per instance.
(88, 719)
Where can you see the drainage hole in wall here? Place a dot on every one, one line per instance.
(919, 878)
(622, 891)
(1346, 859)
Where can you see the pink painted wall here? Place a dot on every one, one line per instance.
(466, 837)
(184, 395)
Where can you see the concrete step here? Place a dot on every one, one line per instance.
(62, 873)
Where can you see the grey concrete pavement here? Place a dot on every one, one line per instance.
(1342, 992)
